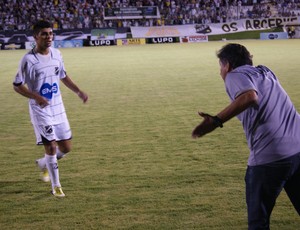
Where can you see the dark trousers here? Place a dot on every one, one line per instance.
(263, 185)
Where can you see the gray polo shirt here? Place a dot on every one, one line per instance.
(272, 127)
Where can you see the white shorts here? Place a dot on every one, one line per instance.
(50, 133)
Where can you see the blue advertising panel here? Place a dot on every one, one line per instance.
(273, 36)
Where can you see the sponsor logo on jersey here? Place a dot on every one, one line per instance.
(48, 90)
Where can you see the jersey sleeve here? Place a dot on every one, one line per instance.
(62, 71)
(20, 77)
(238, 83)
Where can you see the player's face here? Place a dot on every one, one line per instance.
(44, 38)
(224, 69)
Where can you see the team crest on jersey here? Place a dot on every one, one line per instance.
(48, 129)
(56, 70)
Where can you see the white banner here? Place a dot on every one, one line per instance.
(212, 29)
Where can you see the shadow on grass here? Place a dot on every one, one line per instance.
(23, 189)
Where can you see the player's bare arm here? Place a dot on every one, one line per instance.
(240, 104)
(23, 90)
(72, 86)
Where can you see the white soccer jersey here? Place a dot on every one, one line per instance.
(42, 74)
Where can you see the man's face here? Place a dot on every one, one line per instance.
(44, 38)
(224, 69)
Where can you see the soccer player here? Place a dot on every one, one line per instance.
(272, 127)
(40, 72)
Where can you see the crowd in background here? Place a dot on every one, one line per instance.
(77, 14)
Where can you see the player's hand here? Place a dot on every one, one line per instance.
(206, 126)
(41, 101)
(83, 96)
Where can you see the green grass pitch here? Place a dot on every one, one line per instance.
(133, 163)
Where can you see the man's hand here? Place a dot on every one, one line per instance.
(83, 96)
(41, 101)
(206, 126)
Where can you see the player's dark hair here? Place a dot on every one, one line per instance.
(235, 54)
(39, 25)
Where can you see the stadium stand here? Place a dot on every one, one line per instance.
(79, 14)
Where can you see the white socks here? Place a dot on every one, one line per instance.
(42, 161)
(52, 166)
(59, 154)
(50, 162)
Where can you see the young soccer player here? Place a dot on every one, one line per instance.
(40, 72)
